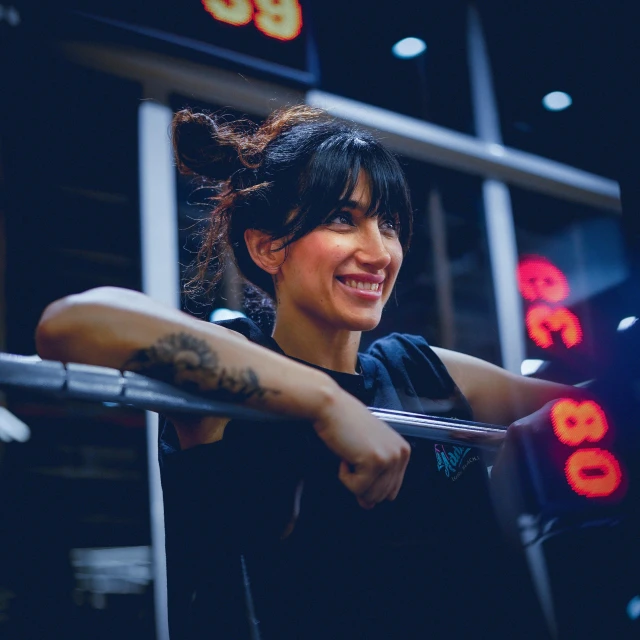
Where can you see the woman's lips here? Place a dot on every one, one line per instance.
(364, 294)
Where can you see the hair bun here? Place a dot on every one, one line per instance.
(205, 146)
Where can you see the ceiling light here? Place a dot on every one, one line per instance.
(557, 101)
(633, 608)
(409, 48)
(625, 323)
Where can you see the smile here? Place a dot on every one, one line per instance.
(360, 289)
(358, 284)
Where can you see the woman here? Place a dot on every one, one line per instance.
(316, 215)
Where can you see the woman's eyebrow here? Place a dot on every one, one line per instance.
(354, 204)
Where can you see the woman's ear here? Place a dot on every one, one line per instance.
(266, 252)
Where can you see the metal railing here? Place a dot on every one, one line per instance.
(102, 384)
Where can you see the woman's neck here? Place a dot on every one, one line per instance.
(323, 346)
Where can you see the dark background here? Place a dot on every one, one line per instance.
(70, 212)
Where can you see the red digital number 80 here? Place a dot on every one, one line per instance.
(593, 473)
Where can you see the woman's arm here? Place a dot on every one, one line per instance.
(127, 330)
(496, 395)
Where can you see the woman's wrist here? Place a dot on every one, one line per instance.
(320, 396)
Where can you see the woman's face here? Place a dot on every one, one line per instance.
(342, 273)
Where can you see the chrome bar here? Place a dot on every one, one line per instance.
(102, 384)
(446, 430)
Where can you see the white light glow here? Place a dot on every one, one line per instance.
(409, 48)
(12, 428)
(557, 101)
(225, 314)
(529, 367)
(633, 608)
(625, 323)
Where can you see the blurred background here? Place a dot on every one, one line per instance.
(515, 123)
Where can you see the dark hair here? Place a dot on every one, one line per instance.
(299, 160)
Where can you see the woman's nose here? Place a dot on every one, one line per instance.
(373, 250)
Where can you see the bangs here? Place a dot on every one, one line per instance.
(331, 176)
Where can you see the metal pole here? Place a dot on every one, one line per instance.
(501, 235)
(441, 270)
(161, 281)
(428, 142)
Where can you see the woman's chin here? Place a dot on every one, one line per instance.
(363, 323)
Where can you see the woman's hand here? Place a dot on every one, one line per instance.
(373, 456)
(536, 425)
(535, 434)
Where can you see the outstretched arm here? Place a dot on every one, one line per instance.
(127, 330)
(496, 395)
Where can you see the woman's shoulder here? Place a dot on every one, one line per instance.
(248, 328)
(409, 355)
(403, 349)
(412, 366)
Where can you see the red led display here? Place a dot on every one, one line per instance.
(542, 321)
(235, 12)
(539, 279)
(279, 19)
(574, 422)
(594, 473)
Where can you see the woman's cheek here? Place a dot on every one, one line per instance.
(396, 257)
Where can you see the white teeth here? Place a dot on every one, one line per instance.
(365, 286)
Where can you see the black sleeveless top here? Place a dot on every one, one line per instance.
(421, 566)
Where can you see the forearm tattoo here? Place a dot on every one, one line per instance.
(191, 364)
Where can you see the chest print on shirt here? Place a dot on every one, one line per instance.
(453, 460)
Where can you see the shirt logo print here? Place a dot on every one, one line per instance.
(450, 460)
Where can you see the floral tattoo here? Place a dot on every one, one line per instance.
(190, 363)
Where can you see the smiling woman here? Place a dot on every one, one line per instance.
(316, 216)
(313, 209)
(298, 170)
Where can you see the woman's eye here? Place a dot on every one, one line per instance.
(340, 218)
(387, 224)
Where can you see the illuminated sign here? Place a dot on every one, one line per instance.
(279, 19)
(271, 37)
(542, 321)
(593, 473)
(590, 472)
(574, 422)
(540, 280)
